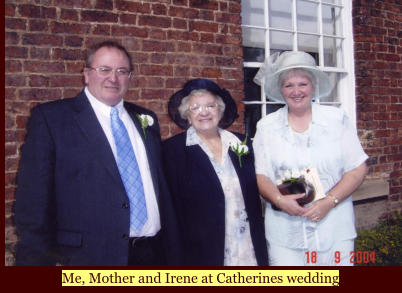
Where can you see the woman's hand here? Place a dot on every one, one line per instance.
(319, 209)
(289, 205)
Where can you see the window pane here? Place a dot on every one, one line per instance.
(333, 52)
(307, 20)
(280, 14)
(281, 41)
(307, 43)
(253, 54)
(253, 12)
(253, 37)
(331, 22)
(338, 2)
(333, 96)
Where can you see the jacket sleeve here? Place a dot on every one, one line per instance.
(34, 207)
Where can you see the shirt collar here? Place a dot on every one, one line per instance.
(317, 116)
(226, 137)
(101, 107)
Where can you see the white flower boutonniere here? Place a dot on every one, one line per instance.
(240, 149)
(145, 121)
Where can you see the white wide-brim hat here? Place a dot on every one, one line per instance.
(277, 64)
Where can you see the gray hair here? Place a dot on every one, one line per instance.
(184, 105)
(297, 71)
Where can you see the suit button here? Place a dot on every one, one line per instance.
(125, 237)
(125, 205)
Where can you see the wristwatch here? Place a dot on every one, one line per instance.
(334, 199)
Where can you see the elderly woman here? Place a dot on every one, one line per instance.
(306, 136)
(212, 180)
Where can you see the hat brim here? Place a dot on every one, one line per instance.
(273, 88)
(229, 116)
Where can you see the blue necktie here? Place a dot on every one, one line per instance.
(129, 172)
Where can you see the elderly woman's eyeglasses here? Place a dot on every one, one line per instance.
(107, 71)
(196, 109)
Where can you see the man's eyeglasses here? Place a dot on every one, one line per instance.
(196, 109)
(107, 71)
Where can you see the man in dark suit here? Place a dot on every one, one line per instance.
(73, 204)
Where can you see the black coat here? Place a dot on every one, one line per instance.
(200, 204)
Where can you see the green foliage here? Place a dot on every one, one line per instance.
(385, 240)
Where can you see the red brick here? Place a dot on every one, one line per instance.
(68, 54)
(39, 94)
(182, 12)
(211, 72)
(73, 3)
(16, 52)
(21, 121)
(128, 18)
(202, 4)
(130, 6)
(102, 29)
(158, 9)
(13, 66)
(154, 21)
(207, 15)
(70, 28)
(45, 67)
(38, 25)
(129, 31)
(180, 2)
(179, 23)
(203, 26)
(42, 39)
(38, 81)
(66, 81)
(104, 4)
(156, 70)
(98, 16)
(15, 24)
(156, 46)
(73, 41)
(39, 53)
(28, 10)
(74, 67)
(10, 149)
(9, 9)
(15, 80)
(182, 71)
(157, 34)
(69, 14)
(11, 38)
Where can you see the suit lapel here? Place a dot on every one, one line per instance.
(90, 126)
(204, 166)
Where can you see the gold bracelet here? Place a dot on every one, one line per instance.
(333, 198)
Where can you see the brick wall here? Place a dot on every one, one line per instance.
(378, 65)
(171, 41)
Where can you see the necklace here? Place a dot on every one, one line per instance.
(299, 130)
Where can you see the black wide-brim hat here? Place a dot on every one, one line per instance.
(229, 116)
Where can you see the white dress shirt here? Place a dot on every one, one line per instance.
(332, 146)
(102, 111)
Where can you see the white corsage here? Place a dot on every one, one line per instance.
(145, 121)
(240, 149)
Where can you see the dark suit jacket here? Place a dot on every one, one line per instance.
(200, 204)
(71, 205)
